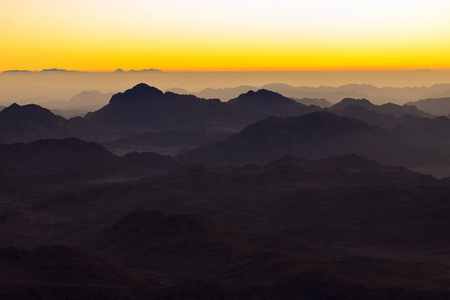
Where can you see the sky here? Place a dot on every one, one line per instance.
(201, 35)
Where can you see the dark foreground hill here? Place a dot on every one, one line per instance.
(346, 200)
(342, 227)
(190, 257)
(31, 122)
(74, 160)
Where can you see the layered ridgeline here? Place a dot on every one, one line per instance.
(31, 122)
(343, 226)
(322, 134)
(335, 94)
(146, 119)
(435, 106)
(144, 108)
(60, 160)
(149, 107)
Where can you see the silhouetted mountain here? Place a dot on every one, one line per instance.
(85, 100)
(322, 134)
(70, 113)
(30, 122)
(369, 116)
(311, 136)
(226, 93)
(264, 103)
(378, 95)
(435, 106)
(177, 90)
(16, 71)
(147, 106)
(145, 70)
(74, 159)
(1, 108)
(388, 108)
(323, 103)
(57, 70)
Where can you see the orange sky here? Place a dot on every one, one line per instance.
(194, 35)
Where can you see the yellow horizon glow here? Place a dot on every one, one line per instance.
(200, 35)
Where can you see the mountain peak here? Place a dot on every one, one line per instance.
(259, 97)
(143, 87)
(351, 101)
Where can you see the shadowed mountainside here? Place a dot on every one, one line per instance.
(31, 122)
(435, 106)
(342, 226)
(147, 106)
(74, 159)
(322, 134)
(387, 108)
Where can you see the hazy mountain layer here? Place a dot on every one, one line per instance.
(435, 106)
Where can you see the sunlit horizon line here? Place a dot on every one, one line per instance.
(225, 70)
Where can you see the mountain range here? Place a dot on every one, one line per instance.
(146, 119)
(335, 94)
(144, 226)
(435, 106)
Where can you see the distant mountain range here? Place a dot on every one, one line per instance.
(64, 70)
(334, 94)
(146, 119)
(147, 106)
(85, 100)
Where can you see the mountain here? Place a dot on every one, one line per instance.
(178, 90)
(74, 160)
(435, 106)
(323, 103)
(388, 115)
(341, 227)
(264, 103)
(147, 106)
(322, 134)
(314, 135)
(85, 100)
(376, 94)
(341, 200)
(2, 107)
(30, 122)
(387, 108)
(226, 93)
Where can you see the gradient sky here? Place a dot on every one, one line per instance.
(194, 35)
